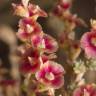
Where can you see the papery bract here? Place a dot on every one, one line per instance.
(51, 74)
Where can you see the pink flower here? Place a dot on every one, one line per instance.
(37, 41)
(45, 42)
(35, 10)
(30, 59)
(51, 44)
(29, 65)
(29, 62)
(27, 28)
(88, 43)
(51, 74)
(28, 10)
(85, 90)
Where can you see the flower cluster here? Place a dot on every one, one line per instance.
(39, 48)
(85, 90)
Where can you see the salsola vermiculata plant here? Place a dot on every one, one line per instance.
(41, 75)
(37, 52)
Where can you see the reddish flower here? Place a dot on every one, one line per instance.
(29, 65)
(27, 28)
(35, 10)
(88, 43)
(28, 10)
(37, 41)
(29, 62)
(51, 74)
(85, 90)
(51, 45)
(45, 42)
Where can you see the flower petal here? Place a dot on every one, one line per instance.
(58, 82)
(27, 67)
(51, 74)
(37, 41)
(51, 45)
(35, 10)
(22, 35)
